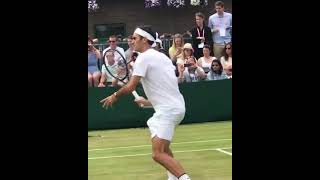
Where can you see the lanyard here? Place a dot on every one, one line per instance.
(199, 32)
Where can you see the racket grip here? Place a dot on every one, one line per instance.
(135, 94)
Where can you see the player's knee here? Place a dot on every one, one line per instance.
(156, 156)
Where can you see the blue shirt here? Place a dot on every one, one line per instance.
(217, 22)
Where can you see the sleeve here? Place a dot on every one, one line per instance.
(194, 37)
(210, 24)
(140, 67)
(224, 75)
(201, 71)
(186, 75)
(103, 69)
(122, 52)
(180, 61)
(209, 38)
(209, 77)
(171, 52)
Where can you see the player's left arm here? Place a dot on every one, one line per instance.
(129, 87)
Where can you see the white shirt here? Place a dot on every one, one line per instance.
(159, 81)
(206, 66)
(192, 77)
(113, 68)
(116, 55)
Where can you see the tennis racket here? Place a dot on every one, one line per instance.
(116, 66)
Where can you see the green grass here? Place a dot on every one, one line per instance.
(200, 165)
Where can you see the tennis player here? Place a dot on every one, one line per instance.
(160, 84)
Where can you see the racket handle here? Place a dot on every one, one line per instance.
(136, 96)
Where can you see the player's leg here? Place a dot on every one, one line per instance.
(160, 156)
(90, 79)
(96, 78)
(170, 175)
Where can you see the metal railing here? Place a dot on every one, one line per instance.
(166, 44)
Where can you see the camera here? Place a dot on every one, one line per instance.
(187, 65)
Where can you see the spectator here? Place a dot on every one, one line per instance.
(226, 59)
(206, 60)
(220, 24)
(129, 51)
(158, 46)
(187, 52)
(201, 35)
(113, 45)
(176, 49)
(106, 78)
(193, 72)
(228, 71)
(216, 71)
(93, 69)
(131, 62)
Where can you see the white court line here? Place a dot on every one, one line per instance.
(226, 152)
(133, 155)
(189, 142)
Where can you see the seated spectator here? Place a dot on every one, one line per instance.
(106, 78)
(131, 62)
(193, 72)
(93, 69)
(228, 71)
(113, 45)
(121, 72)
(129, 51)
(158, 46)
(176, 49)
(226, 59)
(187, 52)
(206, 60)
(216, 71)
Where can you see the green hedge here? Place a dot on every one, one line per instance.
(205, 101)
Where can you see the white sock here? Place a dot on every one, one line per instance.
(184, 177)
(171, 176)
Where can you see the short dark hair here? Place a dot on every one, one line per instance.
(148, 29)
(113, 36)
(130, 37)
(219, 3)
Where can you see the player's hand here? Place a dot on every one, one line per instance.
(108, 101)
(141, 101)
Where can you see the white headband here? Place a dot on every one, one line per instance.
(144, 34)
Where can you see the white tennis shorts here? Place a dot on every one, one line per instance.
(163, 125)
